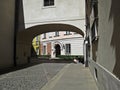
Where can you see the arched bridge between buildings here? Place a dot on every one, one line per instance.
(25, 37)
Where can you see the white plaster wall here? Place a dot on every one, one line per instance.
(76, 45)
(106, 53)
(63, 9)
(70, 12)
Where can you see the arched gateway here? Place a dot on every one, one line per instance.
(40, 19)
(25, 37)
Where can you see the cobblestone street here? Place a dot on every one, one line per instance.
(31, 78)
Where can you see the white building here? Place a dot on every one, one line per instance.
(61, 43)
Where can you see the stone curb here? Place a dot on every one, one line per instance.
(55, 79)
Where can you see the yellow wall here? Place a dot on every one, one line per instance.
(36, 43)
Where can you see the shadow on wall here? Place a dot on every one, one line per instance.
(115, 40)
(33, 53)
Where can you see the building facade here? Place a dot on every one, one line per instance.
(102, 42)
(36, 45)
(61, 43)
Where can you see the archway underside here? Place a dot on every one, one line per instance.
(31, 32)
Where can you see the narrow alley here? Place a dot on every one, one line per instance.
(59, 45)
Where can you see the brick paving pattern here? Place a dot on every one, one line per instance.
(31, 78)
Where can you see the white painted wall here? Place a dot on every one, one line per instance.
(76, 45)
(70, 12)
(63, 9)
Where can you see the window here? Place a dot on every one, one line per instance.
(67, 49)
(67, 33)
(44, 36)
(44, 50)
(48, 2)
(57, 33)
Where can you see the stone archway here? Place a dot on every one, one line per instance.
(25, 37)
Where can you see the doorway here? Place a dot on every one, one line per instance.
(57, 50)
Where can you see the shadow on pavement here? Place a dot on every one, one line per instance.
(33, 61)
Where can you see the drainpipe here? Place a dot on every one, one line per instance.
(86, 47)
(15, 28)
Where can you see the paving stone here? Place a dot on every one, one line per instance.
(31, 78)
